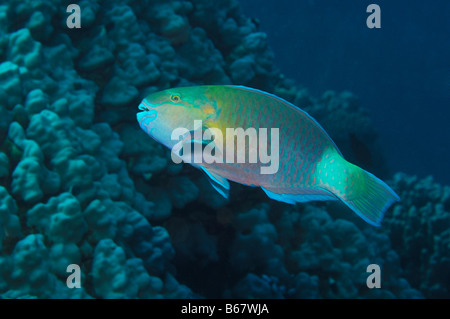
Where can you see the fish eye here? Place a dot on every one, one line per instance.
(175, 98)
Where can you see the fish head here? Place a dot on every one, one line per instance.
(163, 112)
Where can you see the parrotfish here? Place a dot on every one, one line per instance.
(309, 166)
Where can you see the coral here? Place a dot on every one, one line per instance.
(36, 101)
(10, 84)
(99, 218)
(9, 220)
(26, 180)
(201, 52)
(31, 179)
(420, 230)
(254, 287)
(255, 246)
(308, 254)
(338, 253)
(109, 270)
(146, 155)
(95, 59)
(27, 272)
(242, 69)
(305, 286)
(4, 165)
(251, 60)
(23, 50)
(153, 246)
(82, 184)
(118, 93)
(60, 219)
(193, 243)
(182, 191)
(115, 276)
(138, 69)
(172, 21)
(61, 255)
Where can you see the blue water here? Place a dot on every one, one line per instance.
(401, 72)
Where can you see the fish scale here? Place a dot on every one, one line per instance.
(311, 166)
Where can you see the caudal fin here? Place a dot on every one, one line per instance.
(369, 197)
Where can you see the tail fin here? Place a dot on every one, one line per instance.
(365, 194)
(369, 196)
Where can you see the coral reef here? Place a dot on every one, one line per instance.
(420, 230)
(82, 184)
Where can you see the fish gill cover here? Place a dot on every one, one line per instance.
(82, 185)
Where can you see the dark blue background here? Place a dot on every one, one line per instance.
(400, 72)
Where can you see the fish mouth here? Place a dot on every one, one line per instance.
(145, 118)
(144, 106)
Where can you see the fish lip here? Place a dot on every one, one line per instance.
(152, 117)
(145, 118)
(144, 105)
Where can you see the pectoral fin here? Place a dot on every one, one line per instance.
(219, 183)
(192, 150)
(186, 148)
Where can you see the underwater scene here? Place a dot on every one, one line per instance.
(231, 149)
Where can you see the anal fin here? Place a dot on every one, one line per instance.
(292, 196)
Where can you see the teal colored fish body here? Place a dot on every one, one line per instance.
(308, 165)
